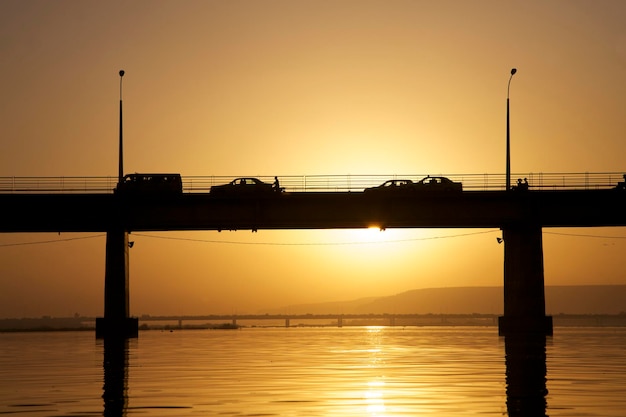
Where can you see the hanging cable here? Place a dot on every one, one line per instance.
(312, 244)
(41, 242)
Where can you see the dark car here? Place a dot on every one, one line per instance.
(427, 184)
(392, 186)
(243, 186)
(150, 184)
(438, 184)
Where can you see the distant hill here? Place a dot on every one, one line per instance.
(574, 299)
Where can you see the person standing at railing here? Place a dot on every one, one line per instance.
(522, 186)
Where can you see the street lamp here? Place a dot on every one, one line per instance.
(508, 135)
(121, 163)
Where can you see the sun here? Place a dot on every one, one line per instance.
(372, 243)
(376, 234)
(371, 235)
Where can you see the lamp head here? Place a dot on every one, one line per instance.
(513, 71)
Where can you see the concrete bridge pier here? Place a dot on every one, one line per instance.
(524, 295)
(116, 322)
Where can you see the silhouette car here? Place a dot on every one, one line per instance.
(150, 184)
(243, 186)
(392, 186)
(438, 184)
(428, 184)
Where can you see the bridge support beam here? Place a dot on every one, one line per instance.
(524, 295)
(116, 322)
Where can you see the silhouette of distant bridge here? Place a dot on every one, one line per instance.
(339, 319)
(72, 204)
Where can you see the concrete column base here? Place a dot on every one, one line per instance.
(525, 325)
(123, 328)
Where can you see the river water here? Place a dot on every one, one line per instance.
(350, 371)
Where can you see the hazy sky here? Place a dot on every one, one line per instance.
(302, 88)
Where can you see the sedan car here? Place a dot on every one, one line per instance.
(428, 184)
(438, 184)
(392, 186)
(243, 186)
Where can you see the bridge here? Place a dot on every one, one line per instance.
(337, 319)
(62, 204)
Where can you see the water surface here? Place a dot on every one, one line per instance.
(351, 371)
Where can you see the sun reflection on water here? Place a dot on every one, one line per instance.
(374, 399)
(375, 394)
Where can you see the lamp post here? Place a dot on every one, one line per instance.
(121, 163)
(508, 134)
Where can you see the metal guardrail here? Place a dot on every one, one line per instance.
(44, 185)
(320, 183)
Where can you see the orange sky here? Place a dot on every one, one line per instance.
(302, 88)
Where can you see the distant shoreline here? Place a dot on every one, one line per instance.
(52, 324)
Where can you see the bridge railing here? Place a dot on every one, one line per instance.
(564, 181)
(323, 183)
(471, 182)
(44, 185)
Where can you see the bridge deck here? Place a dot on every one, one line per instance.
(311, 210)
